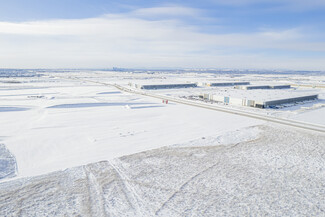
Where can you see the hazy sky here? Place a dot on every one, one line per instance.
(270, 34)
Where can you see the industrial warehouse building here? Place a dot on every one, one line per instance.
(253, 87)
(185, 85)
(260, 99)
(221, 84)
(162, 86)
(284, 101)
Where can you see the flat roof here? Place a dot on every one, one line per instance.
(263, 95)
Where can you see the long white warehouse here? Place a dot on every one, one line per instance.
(253, 87)
(221, 84)
(259, 102)
(162, 86)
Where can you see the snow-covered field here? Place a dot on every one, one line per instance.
(8, 166)
(280, 173)
(48, 128)
(145, 158)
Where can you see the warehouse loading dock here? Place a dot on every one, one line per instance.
(288, 100)
(256, 102)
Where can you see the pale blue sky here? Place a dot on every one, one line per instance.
(273, 34)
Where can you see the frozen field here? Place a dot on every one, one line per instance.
(53, 124)
(278, 173)
(70, 146)
(308, 111)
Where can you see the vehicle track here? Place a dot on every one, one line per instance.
(139, 204)
(183, 185)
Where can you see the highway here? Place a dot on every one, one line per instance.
(287, 122)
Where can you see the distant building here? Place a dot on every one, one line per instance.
(163, 86)
(258, 103)
(254, 87)
(222, 84)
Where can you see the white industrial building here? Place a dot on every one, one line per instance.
(162, 86)
(185, 85)
(259, 98)
(253, 87)
(221, 84)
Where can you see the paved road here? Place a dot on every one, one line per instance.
(287, 122)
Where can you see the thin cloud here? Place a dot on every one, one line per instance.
(249, 2)
(129, 40)
(284, 4)
(167, 11)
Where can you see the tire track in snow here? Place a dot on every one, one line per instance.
(95, 194)
(183, 186)
(139, 204)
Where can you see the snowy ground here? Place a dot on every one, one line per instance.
(8, 166)
(81, 148)
(280, 173)
(304, 111)
(52, 124)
